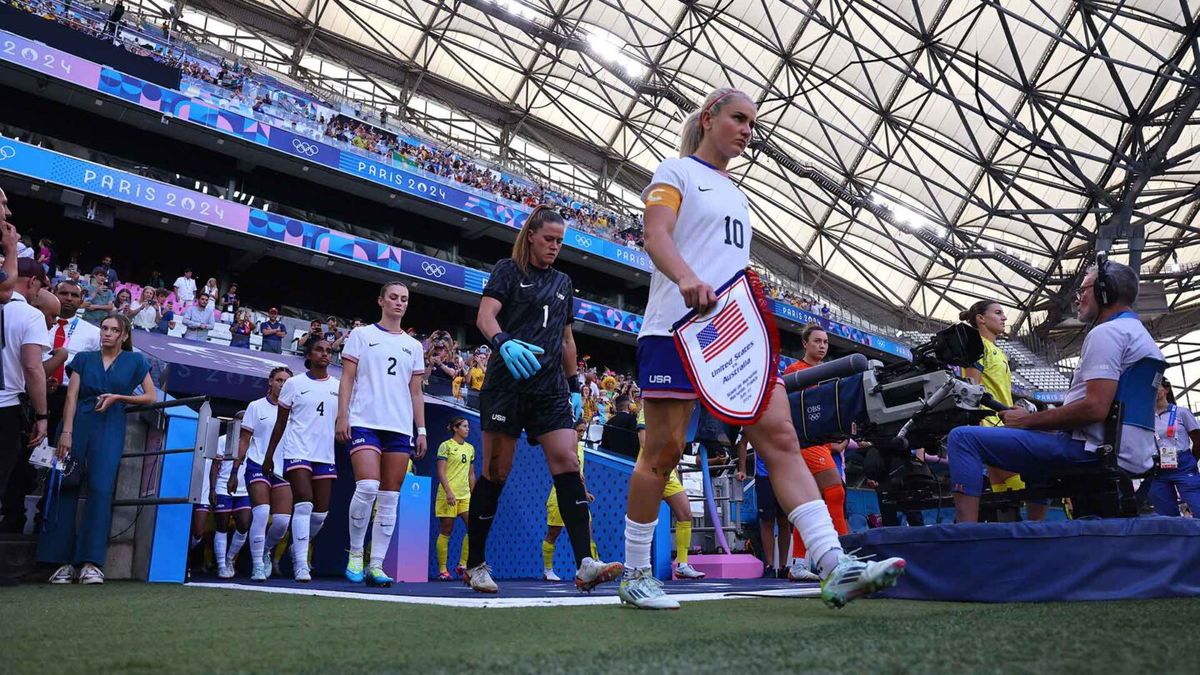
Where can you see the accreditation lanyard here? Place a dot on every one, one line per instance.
(1171, 421)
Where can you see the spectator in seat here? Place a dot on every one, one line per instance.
(476, 371)
(45, 256)
(93, 434)
(145, 312)
(621, 430)
(1036, 444)
(198, 319)
(273, 331)
(123, 304)
(230, 304)
(166, 316)
(440, 366)
(212, 289)
(185, 289)
(105, 269)
(100, 302)
(241, 331)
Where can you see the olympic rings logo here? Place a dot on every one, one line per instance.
(433, 270)
(582, 241)
(305, 148)
(7, 152)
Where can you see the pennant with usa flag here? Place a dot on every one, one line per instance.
(730, 353)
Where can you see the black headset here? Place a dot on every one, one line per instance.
(1100, 287)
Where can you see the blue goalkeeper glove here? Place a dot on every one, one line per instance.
(520, 357)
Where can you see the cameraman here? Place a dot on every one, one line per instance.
(1035, 444)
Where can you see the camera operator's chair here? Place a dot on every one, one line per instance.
(1105, 489)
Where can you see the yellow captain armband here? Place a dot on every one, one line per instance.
(663, 195)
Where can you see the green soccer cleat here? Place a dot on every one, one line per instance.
(854, 578)
(376, 577)
(644, 591)
(354, 568)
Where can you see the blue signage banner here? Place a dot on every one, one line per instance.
(432, 269)
(846, 331)
(292, 144)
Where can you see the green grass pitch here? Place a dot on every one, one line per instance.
(146, 628)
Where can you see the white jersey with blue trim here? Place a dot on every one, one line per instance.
(313, 412)
(712, 233)
(259, 420)
(226, 468)
(386, 362)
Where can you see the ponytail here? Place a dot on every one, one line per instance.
(538, 218)
(968, 315)
(692, 131)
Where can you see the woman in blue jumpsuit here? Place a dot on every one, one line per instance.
(1178, 438)
(93, 434)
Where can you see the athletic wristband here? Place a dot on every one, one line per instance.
(573, 385)
(421, 431)
(499, 339)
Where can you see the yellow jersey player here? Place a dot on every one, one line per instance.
(554, 520)
(456, 479)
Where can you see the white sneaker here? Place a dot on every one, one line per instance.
(259, 572)
(549, 575)
(644, 591)
(686, 571)
(592, 573)
(63, 575)
(90, 574)
(224, 572)
(800, 573)
(480, 579)
(303, 574)
(854, 578)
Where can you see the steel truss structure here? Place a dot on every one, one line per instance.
(926, 152)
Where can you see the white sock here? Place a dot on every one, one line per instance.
(220, 544)
(638, 538)
(258, 531)
(317, 522)
(812, 521)
(235, 546)
(278, 529)
(301, 520)
(365, 493)
(385, 524)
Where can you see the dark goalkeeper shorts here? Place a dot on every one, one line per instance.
(511, 412)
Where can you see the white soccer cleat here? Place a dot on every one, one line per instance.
(303, 574)
(90, 574)
(644, 591)
(479, 578)
(800, 573)
(63, 575)
(549, 575)
(686, 571)
(225, 572)
(259, 573)
(592, 573)
(854, 578)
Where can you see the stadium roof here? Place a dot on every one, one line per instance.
(928, 152)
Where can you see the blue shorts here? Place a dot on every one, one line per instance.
(255, 474)
(362, 438)
(227, 504)
(660, 369)
(202, 507)
(320, 470)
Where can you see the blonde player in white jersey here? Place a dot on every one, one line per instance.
(697, 232)
(303, 434)
(379, 403)
(270, 495)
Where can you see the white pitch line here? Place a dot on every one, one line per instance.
(496, 602)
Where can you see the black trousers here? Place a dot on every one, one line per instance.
(23, 479)
(12, 443)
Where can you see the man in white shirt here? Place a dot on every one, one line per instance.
(1116, 342)
(199, 318)
(23, 340)
(185, 288)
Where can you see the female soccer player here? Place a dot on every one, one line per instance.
(819, 459)
(554, 521)
(675, 495)
(526, 314)
(232, 502)
(992, 371)
(697, 232)
(378, 402)
(456, 479)
(304, 431)
(270, 495)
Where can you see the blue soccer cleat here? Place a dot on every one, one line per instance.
(354, 569)
(376, 577)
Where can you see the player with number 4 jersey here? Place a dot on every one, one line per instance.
(381, 414)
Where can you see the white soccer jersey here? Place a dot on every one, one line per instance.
(226, 469)
(386, 365)
(259, 420)
(310, 426)
(712, 233)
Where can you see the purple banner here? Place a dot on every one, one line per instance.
(48, 60)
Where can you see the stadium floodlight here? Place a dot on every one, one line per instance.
(611, 49)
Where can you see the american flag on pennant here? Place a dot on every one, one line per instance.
(726, 327)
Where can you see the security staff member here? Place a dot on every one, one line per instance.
(1177, 435)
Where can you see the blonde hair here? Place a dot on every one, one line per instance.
(691, 132)
(544, 213)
